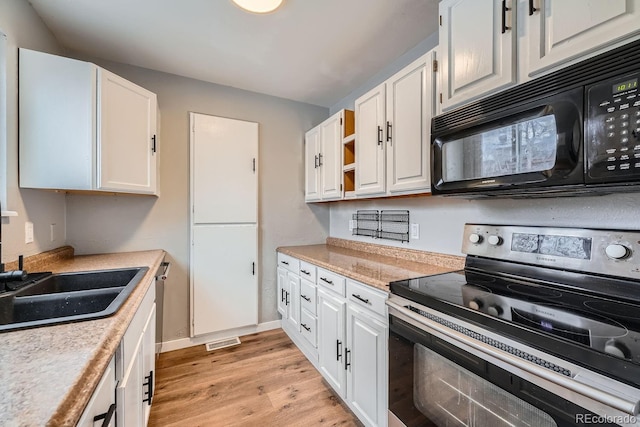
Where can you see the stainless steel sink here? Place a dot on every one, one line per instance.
(68, 297)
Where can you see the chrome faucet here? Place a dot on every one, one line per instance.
(10, 276)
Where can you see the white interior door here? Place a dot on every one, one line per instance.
(224, 169)
(224, 283)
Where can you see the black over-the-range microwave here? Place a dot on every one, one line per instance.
(575, 131)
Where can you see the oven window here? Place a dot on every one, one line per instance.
(451, 395)
(524, 147)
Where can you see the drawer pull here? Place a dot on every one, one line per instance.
(364, 300)
(324, 279)
(305, 272)
(149, 384)
(308, 329)
(107, 416)
(284, 262)
(306, 298)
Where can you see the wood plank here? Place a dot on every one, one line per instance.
(264, 381)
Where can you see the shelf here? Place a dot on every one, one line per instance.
(349, 167)
(8, 213)
(349, 194)
(349, 138)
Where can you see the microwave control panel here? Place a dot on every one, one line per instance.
(612, 136)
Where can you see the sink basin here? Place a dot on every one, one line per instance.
(83, 281)
(68, 297)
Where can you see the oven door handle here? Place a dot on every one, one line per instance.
(617, 402)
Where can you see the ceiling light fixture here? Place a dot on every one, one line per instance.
(258, 6)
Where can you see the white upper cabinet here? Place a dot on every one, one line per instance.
(370, 146)
(477, 48)
(84, 128)
(323, 157)
(311, 168)
(409, 108)
(562, 30)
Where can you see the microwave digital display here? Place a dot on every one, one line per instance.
(627, 85)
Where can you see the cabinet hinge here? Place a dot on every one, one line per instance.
(441, 20)
(254, 164)
(440, 97)
(435, 65)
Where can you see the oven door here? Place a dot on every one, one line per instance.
(434, 382)
(535, 146)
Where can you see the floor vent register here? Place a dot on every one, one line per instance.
(224, 343)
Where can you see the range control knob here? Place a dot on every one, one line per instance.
(475, 304)
(494, 310)
(494, 240)
(617, 251)
(475, 238)
(616, 349)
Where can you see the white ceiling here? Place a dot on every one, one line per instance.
(314, 51)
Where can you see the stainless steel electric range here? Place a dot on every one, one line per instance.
(541, 328)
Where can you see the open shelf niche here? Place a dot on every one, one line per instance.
(349, 156)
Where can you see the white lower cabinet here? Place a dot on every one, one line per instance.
(342, 328)
(136, 379)
(101, 407)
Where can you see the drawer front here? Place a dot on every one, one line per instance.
(332, 281)
(290, 263)
(367, 297)
(308, 327)
(308, 296)
(308, 271)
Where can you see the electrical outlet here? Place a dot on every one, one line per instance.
(352, 224)
(28, 232)
(53, 232)
(415, 231)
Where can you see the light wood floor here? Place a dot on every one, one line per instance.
(265, 381)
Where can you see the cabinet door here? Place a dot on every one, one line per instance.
(477, 57)
(283, 289)
(409, 110)
(294, 301)
(103, 401)
(129, 393)
(367, 366)
(311, 167)
(331, 157)
(127, 149)
(331, 340)
(224, 284)
(561, 30)
(149, 364)
(370, 147)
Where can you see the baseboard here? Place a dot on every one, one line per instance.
(246, 330)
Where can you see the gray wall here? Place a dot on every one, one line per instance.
(25, 29)
(441, 219)
(125, 223)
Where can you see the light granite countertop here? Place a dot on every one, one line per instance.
(373, 265)
(48, 374)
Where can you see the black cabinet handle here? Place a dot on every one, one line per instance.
(305, 272)
(308, 329)
(532, 9)
(347, 362)
(364, 300)
(284, 262)
(504, 16)
(153, 143)
(281, 295)
(306, 298)
(338, 350)
(326, 280)
(389, 127)
(379, 135)
(149, 384)
(319, 159)
(315, 162)
(107, 416)
(287, 298)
